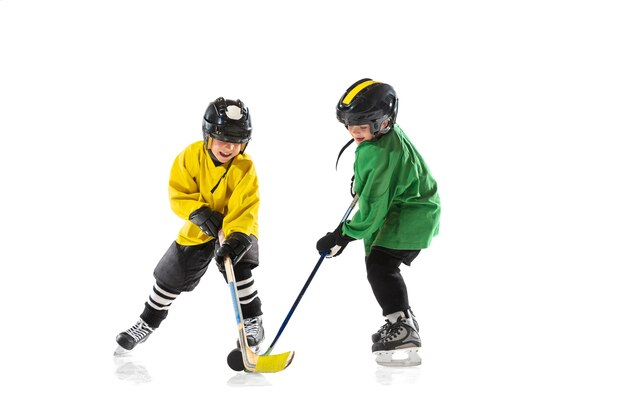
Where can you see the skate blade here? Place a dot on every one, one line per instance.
(400, 357)
(120, 351)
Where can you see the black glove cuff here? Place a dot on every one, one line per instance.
(342, 239)
(239, 241)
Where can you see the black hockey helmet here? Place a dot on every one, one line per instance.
(368, 102)
(228, 121)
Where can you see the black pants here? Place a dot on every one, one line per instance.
(181, 268)
(383, 274)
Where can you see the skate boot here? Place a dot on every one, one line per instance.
(138, 333)
(391, 318)
(398, 345)
(382, 332)
(255, 333)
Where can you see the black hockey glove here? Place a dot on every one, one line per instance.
(209, 221)
(234, 247)
(333, 243)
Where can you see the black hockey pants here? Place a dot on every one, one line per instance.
(383, 274)
(181, 268)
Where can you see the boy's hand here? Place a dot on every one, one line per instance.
(333, 243)
(234, 247)
(209, 221)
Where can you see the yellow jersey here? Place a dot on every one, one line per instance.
(231, 189)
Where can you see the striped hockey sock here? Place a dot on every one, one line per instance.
(246, 291)
(160, 299)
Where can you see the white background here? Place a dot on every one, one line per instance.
(517, 107)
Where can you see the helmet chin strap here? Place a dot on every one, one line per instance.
(380, 133)
(337, 163)
(223, 176)
(341, 151)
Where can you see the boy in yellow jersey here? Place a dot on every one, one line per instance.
(213, 186)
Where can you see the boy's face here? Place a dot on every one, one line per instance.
(225, 151)
(360, 133)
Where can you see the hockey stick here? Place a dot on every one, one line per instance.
(308, 281)
(252, 362)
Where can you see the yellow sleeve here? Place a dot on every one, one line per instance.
(184, 192)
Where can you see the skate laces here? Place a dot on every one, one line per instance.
(394, 329)
(139, 330)
(384, 328)
(252, 326)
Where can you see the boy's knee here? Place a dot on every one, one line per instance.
(379, 263)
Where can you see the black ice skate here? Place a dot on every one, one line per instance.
(382, 332)
(255, 333)
(138, 333)
(398, 343)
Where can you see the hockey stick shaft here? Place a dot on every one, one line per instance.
(295, 304)
(249, 359)
(308, 281)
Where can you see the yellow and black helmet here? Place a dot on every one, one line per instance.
(228, 121)
(368, 102)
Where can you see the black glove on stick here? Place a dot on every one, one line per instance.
(333, 243)
(234, 247)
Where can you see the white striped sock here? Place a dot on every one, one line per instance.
(246, 291)
(160, 299)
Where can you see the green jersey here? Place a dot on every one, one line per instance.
(399, 206)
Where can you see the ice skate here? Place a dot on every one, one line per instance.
(130, 338)
(382, 332)
(255, 333)
(398, 344)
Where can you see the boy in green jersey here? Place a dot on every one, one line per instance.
(398, 211)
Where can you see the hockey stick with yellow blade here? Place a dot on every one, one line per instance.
(252, 362)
